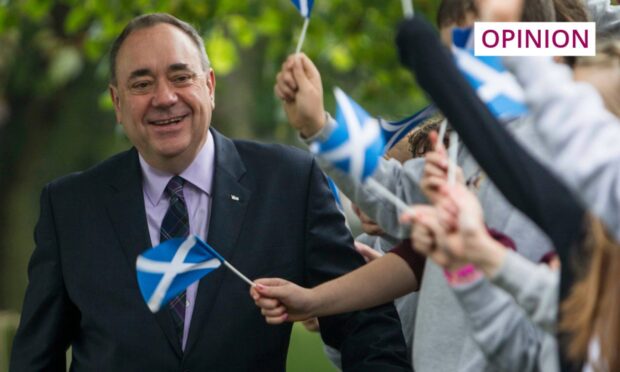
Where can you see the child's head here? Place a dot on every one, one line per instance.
(463, 13)
(419, 142)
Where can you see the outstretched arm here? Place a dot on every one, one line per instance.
(366, 287)
(299, 87)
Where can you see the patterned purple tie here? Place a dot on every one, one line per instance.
(176, 225)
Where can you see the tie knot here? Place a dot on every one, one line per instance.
(175, 187)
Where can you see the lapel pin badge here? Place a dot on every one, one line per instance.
(234, 197)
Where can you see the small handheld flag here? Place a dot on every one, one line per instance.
(495, 85)
(393, 132)
(304, 7)
(166, 270)
(355, 145)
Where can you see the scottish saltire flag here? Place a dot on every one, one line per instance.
(166, 270)
(355, 144)
(334, 189)
(304, 7)
(495, 85)
(394, 131)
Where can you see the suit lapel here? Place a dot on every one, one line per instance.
(228, 206)
(125, 207)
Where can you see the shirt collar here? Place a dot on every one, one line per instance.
(199, 173)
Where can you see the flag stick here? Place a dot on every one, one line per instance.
(442, 131)
(243, 277)
(407, 8)
(452, 152)
(387, 194)
(303, 35)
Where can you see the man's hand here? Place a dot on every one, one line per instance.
(298, 85)
(368, 253)
(460, 206)
(369, 226)
(433, 240)
(281, 300)
(436, 170)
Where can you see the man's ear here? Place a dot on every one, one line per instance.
(116, 101)
(211, 86)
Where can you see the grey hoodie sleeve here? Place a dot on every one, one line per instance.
(535, 287)
(580, 135)
(502, 330)
(606, 16)
(400, 179)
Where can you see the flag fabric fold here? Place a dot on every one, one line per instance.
(495, 85)
(355, 143)
(304, 7)
(394, 131)
(169, 268)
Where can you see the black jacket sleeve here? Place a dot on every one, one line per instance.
(48, 319)
(527, 184)
(369, 340)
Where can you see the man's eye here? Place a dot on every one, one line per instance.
(141, 85)
(180, 79)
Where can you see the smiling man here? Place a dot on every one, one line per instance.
(266, 208)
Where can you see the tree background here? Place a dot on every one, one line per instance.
(56, 116)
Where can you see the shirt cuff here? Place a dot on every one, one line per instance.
(321, 135)
(415, 260)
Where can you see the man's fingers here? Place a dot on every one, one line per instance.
(267, 303)
(272, 282)
(286, 97)
(287, 78)
(368, 253)
(438, 159)
(299, 71)
(432, 169)
(273, 313)
(277, 320)
(310, 69)
(434, 182)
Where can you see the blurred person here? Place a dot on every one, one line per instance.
(512, 320)
(184, 177)
(439, 320)
(374, 242)
(531, 187)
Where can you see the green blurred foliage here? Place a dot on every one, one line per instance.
(56, 116)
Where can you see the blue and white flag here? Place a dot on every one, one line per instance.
(166, 270)
(304, 7)
(495, 85)
(394, 131)
(335, 193)
(355, 143)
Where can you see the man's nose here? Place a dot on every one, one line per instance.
(164, 95)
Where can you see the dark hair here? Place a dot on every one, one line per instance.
(570, 11)
(419, 144)
(150, 20)
(454, 12)
(538, 11)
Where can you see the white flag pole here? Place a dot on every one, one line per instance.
(243, 277)
(407, 8)
(388, 195)
(452, 152)
(303, 35)
(442, 131)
